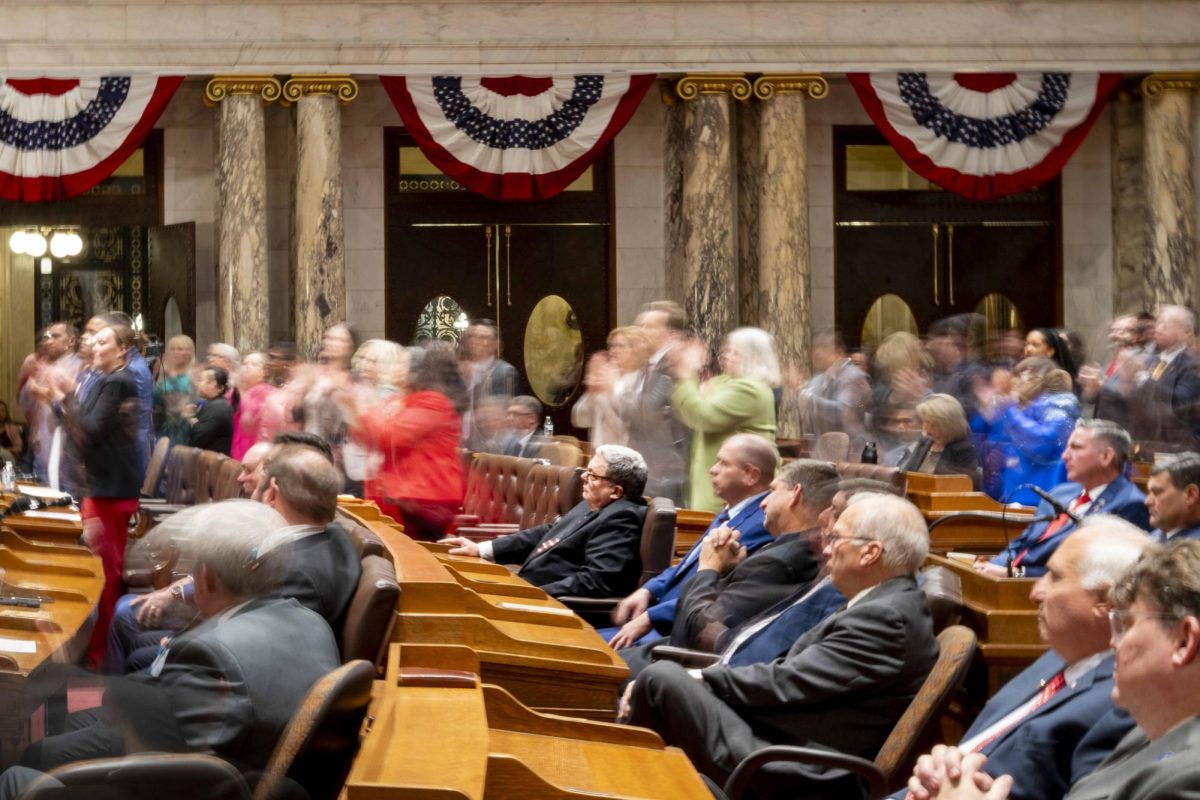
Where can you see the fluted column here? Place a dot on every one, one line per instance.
(243, 316)
(318, 230)
(784, 297)
(1170, 264)
(709, 221)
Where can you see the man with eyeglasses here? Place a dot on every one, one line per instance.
(1063, 701)
(842, 686)
(593, 549)
(1155, 630)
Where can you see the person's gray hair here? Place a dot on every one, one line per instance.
(1112, 546)
(528, 402)
(1183, 316)
(817, 479)
(1183, 470)
(1166, 577)
(626, 468)
(757, 351)
(226, 351)
(1114, 436)
(897, 525)
(757, 451)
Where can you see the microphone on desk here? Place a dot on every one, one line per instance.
(57, 502)
(1059, 508)
(18, 506)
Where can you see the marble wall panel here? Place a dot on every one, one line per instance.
(1128, 190)
(750, 180)
(1170, 266)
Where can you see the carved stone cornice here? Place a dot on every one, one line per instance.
(343, 87)
(221, 86)
(810, 83)
(1161, 82)
(735, 84)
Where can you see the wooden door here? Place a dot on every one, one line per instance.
(171, 280)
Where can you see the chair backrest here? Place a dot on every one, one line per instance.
(366, 542)
(911, 736)
(226, 486)
(877, 472)
(322, 739)
(154, 469)
(943, 593)
(182, 465)
(658, 537)
(832, 446)
(371, 613)
(180, 776)
(206, 475)
(562, 453)
(541, 499)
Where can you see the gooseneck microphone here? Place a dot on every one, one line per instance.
(1059, 508)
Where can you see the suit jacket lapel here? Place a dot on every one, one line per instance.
(561, 532)
(1018, 692)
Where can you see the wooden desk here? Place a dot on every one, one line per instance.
(690, 525)
(53, 525)
(946, 496)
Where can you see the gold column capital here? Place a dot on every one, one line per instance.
(221, 86)
(810, 83)
(735, 84)
(343, 87)
(1161, 82)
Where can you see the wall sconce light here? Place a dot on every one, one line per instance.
(64, 243)
(47, 266)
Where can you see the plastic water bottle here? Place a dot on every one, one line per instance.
(548, 426)
(869, 454)
(8, 476)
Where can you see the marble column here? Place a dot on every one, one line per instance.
(709, 218)
(1170, 264)
(747, 118)
(1129, 203)
(784, 296)
(674, 150)
(243, 315)
(318, 227)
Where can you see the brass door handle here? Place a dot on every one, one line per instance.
(950, 260)
(937, 301)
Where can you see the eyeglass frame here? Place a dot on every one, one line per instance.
(588, 475)
(828, 539)
(1115, 616)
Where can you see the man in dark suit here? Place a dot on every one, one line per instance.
(485, 373)
(1166, 404)
(1173, 499)
(1096, 455)
(593, 550)
(653, 428)
(1156, 634)
(524, 433)
(1054, 722)
(744, 470)
(229, 685)
(842, 686)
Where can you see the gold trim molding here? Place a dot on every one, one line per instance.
(810, 83)
(735, 84)
(1162, 82)
(221, 86)
(343, 87)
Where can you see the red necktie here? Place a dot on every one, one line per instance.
(1055, 526)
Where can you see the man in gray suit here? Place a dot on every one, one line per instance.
(843, 685)
(1156, 634)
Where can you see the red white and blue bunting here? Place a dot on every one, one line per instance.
(985, 135)
(60, 137)
(515, 138)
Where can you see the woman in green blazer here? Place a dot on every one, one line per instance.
(739, 400)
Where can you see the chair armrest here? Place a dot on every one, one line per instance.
(595, 611)
(464, 519)
(481, 534)
(692, 659)
(740, 778)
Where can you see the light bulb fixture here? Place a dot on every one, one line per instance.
(16, 242)
(47, 266)
(35, 245)
(63, 243)
(60, 244)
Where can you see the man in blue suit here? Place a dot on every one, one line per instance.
(745, 468)
(1095, 458)
(1055, 722)
(1173, 498)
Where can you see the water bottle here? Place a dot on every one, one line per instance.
(548, 426)
(8, 476)
(869, 454)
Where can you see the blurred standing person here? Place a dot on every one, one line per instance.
(1165, 406)
(954, 372)
(281, 357)
(136, 364)
(212, 425)
(313, 390)
(253, 392)
(1051, 344)
(12, 444)
(1105, 392)
(485, 373)
(53, 363)
(489, 431)
(838, 395)
(173, 391)
(609, 376)
(225, 356)
(739, 400)
(525, 433)
(944, 447)
(381, 370)
(420, 479)
(652, 426)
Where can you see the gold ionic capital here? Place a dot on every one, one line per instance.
(1161, 82)
(221, 86)
(734, 84)
(810, 83)
(343, 87)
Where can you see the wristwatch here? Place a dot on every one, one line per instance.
(177, 592)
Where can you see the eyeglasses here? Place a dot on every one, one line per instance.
(829, 539)
(588, 475)
(1120, 622)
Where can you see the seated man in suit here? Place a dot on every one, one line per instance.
(322, 571)
(1053, 723)
(231, 683)
(525, 436)
(1096, 455)
(1173, 498)
(744, 470)
(1155, 624)
(842, 686)
(593, 550)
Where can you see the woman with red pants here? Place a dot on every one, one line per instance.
(107, 428)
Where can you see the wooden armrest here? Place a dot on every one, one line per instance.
(465, 519)
(606, 604)
(481, 534)
(692, 659)
(739, 780)
(436, 678)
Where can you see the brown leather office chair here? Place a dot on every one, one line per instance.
(224, 485)
(877, 472)
(366, 542)
(206, 475)
(156, 467)
(912, 735)
(372, 612)
(147, 776)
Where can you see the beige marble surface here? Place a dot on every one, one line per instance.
(243, 318)
(749, 178)
(674, 148)
(1129, 203)
(1170, 264)
(319, 286)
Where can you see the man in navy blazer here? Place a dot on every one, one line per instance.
(744, 469)
(1095, 458)
(1173, 498)
(1064, 732)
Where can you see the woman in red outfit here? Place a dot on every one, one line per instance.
(420, 480)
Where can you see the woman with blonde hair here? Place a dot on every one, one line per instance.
(380, 368)
(610, 376)
(174, 392)
(944, 447)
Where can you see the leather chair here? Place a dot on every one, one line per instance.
(154, 469)
(182, 475)
(546, 494)
(225, 484)
(147, 776)
(877, 472)
(832, 446)
(914, 733)
(372, 613)
(364, 539)
(206, 482)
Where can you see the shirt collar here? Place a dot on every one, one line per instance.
(229, 612)
(1095, 492)
(286, 536)
(859, 596)
(1073, 673)
(735, 510)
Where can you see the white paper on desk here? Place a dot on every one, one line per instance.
(562, 612)
(17, 645)
(65, 516)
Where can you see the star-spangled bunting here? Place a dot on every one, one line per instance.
(985, 135)
(515, 138)
(60, 137)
